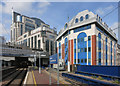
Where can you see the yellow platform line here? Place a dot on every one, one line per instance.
(34, 79)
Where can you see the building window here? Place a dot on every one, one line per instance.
(75, 51)
(21, 29)
(38, 35)
(106, 50)
(82, 45)
(35, 41)
(66, 25)
(52, 47)
(39, 44)
(76, 20)
(32, 42)
(56, 47)
(115, 54)
(47, 45)
(99, 49)
(87, 16)
(29, 42)
(81, 18)
(66, 51)
(25, 42)
(59, 50)
(89, 50)
(111, 53)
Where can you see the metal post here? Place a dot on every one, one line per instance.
(58, 71)
(50, 74)
(68, 49)
(39, 64)
(35, 60)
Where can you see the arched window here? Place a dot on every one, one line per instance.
(99, 49)
(76, 20)
(87, 16)
(81, 18)
(66, 51)
(82, 46)
(106, 49)
(66, 25)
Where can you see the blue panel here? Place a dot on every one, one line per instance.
(106, 70)
(53, 59)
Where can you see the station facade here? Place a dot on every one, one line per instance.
(87, 40)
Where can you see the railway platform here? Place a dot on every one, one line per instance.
(35, 78)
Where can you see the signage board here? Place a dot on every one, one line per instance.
(53, 59)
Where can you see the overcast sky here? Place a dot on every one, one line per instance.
(55, 13)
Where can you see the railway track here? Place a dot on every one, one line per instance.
(15, 78)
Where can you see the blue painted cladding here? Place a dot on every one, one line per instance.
(106, 70)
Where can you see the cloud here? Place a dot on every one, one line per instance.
(24, 7)
(102, 11)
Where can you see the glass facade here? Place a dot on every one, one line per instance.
(66, 51)
(29, 26)
(82, 46)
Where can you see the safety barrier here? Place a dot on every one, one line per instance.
(88, 80)
(97, 75)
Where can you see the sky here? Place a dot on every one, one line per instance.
(56, 13)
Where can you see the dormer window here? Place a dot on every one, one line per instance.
(81, 18)
(87, 16)
(76, 20)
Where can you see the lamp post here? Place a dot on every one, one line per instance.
(39, 63)
(40, 60)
